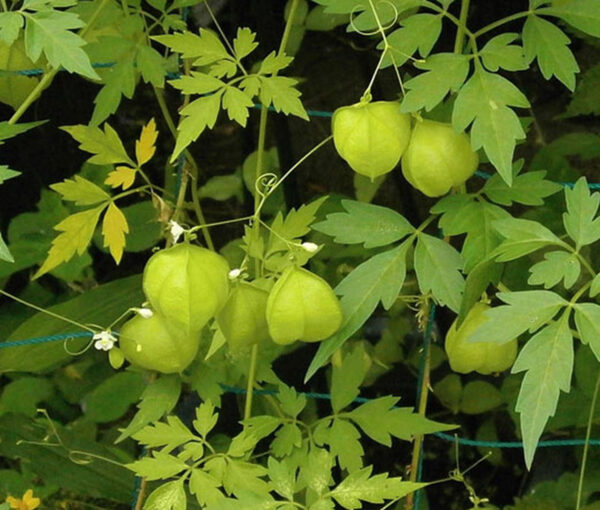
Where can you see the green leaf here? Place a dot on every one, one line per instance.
(206, 418)
(361, 486)
(292, 403)
(105, 145)
(156, 466)
(370, 224)
(475, 218)
(206, 47)
(586, 98)
(525, 310)
(159, 398)
(9, 130)
(478, 279)
(316, 469)
(274, 62)
(223, 187)
(584, 15)
(344, 442)
(380, 419)
(365, 15)
(5, 252)
(480, 397)
(378, 279)
(587, 320)
(347, 378)
(529, 188)
(81, 191)
(10, 26)
(556, 266)
(152, 66)
(197, 83)
(237, 103)
(547, 359)
(582, 206)
(417, 32)
(205, 487)
(549, 44)
(281, 92)
(24, 395)
(595, 288)
(241, 477)
(244, 43)
(438, 266)
(287, 439)
(484, 101)
(365, 189)
(171, 434)
(445, 72)
(498, 53)
(111, 399)
(50, 31)
(7, 173)
(283, 477)
(119, 81)
(169, 496)
(521, 238)
(197, 116)
(76, 232)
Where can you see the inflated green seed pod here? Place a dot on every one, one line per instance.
(243, 319)
(302, 306)
(371, 137)
(482, 357)
(155, 344)
(187, 284)
(438, 158)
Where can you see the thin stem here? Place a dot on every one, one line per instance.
(292, 168)
(4, 6)
(586, 448)
(250, 384)
(160, 98)
(224, 37)
(418, 441)
(500, 22)
(288, 27)
(460, 32)
(141, 495)
(33, 95)
(47, 312)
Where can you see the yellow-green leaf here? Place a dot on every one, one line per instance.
(122, 176)
(105, 145)
(144, 147)
(114, 228)
(81, 191)
(76, 234)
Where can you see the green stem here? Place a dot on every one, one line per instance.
(500, 22)
(250, 383)
(4, 6)
(460, 32)
(586, 448)
(47, 312)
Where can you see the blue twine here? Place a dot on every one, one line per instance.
(44, 339)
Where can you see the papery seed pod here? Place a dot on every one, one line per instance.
(371, 137)
(438, 158)
(155, 344)
(243, 319)
(302, 306)
(187, 284)
(482, 357)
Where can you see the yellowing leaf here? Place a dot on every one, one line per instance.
(77, 231)
(122, 176)
(144, 147)
(81, 191)
(114, 228)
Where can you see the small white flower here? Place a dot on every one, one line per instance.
(310, 247)
(234, 273)
(104, 341)
(176, 230)
(146, 313)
